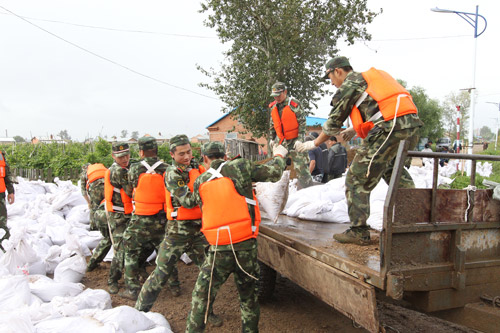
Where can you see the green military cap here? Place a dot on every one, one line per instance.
(277, 89)
(337, 62)
(120, 149)
(178, 140)
(147, 143)
(214, 147)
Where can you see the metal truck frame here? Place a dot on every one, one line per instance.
(439, 249)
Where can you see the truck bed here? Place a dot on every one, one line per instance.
(314, 238)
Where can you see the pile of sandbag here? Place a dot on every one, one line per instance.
(327, 202)
(49, 226)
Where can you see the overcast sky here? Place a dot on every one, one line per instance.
(48, 84)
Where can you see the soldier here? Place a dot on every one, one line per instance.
(230, 222)
(337, 159)
(118, 193)
(289, 124)
(6, 184)
(147, 226)
(183, 231)
(92, 187)
(382, 113)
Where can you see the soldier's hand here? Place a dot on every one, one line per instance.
(304, 146)
(279, 150)
(348, 134)
(10, 198)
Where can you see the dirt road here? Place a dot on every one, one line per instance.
(291, 309)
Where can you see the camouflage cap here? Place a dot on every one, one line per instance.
(147, 143)
(214, 147)
(337, 62)
(178, 140)
(120, 149)
(277, 89)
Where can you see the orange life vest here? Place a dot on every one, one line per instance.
(126, 206)
(182, 213)
(286, 127)
(95, 172)
(149, 195)
(3, 188)
(392, 98)
(226, 218)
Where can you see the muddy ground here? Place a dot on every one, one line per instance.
(291, 308)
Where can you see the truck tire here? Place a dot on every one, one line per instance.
(266, 283)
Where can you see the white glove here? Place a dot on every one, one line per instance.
(304, 146)
(279, 150)
(348, 134)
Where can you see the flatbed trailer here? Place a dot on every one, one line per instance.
(438, 249)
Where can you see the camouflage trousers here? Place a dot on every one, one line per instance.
(359, 185)
(142, 234)
(225, 264)
(301, 167)
(3, 219)
(172, 247)
(105, 244)
(118, 223)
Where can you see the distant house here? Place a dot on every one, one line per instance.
(227, 127)
(7, 141)
(200, 138)
(51, 139)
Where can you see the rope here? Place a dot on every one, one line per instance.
(469, 189)
(387, 138)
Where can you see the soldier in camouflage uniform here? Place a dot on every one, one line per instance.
(146, 229)
(93, 192)
(376, 156)
(118, 219)
(183, 235)
(238, 258)
(6, 184)
(284, 103)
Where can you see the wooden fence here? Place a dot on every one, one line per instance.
(46, 174)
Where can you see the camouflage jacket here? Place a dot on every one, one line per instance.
(9, 179)
(136, 169)
(118, 177)
(346, 97)
(301, 118)
(243, 172)
(95, 191)
(176, 180)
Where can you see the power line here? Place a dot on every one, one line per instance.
(110, 29)
(414, 38)
(108, 60)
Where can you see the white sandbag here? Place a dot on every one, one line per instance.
(152, 257)
(18, 208)
(273, 197)
(46, 288)
(11, 260)
(157, 329)
(126, 319)
(38, 267)
(79, 214)
(92, 299)
(73, 325)
(109, 255)
(14, 292)
(2, 233)
(158, 319)
(16, 322)
(71, 269)
(52, 259)
(92, 239)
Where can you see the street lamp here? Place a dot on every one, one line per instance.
(472, 19)
(496, 133)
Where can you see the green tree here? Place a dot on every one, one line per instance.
(486, 133)
(18, 138)
(270, 41)
(124, 134)
(64, 135)
(135, 135)
(453, 100)
(430, 112)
